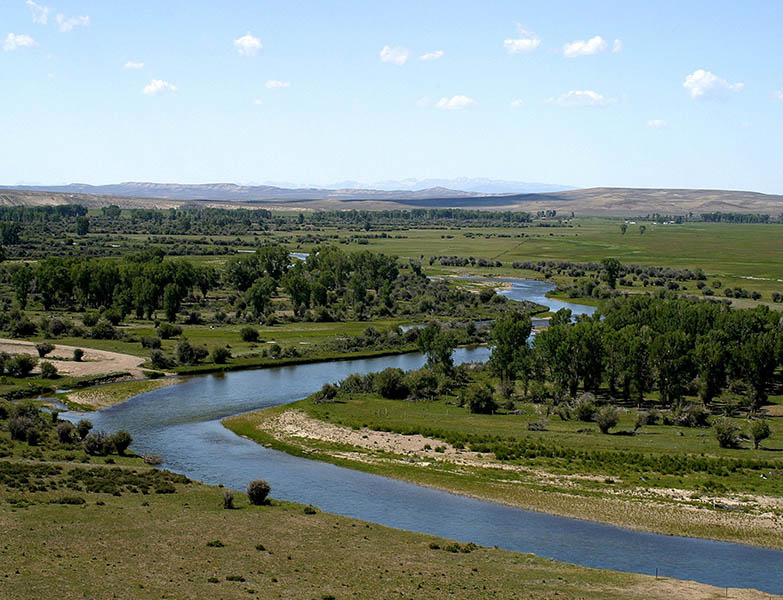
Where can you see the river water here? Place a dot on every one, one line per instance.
(182, 423)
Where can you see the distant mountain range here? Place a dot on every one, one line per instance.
(476, 185)
(592, 201)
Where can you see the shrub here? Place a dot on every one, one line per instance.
(249, 334)
(585, 408)
(83, 427)
(257, 491)
(759, 431)
(220, 355)
(228, 499)
(78, 354)
(727, 434)
(65, 432)
(98, 442)
(103, 330)
(479, 400)
(606, 417)
(167, 331)
(112, 315)
(19, 426)
(44, 348)
(48, 370)
(692, 415)
(188, 354)
(275, 350)
(159, 360)
(422, 384)
(90, 319)
(150, 341)
(327, 393)
(390, 383)
(21, 365)
(121, 440)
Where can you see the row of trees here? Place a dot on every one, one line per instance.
(638, 344)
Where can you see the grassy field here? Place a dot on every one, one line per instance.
(571, 469)
(101, 528)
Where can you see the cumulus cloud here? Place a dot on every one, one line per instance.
(40, 13)
(274, 84)
(66, 24)
(526, 42)
(617, 46)
(15, 41)
(432, 55)
(702, 84)
(582, 98)
(396, 55)
(247, 45)
(657, 124)
(585, 48)
(134, 65)
(455, 103)
(157, 87)
(517, 103)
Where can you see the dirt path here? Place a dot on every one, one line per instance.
(95, 362)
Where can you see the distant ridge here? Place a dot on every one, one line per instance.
(592, 201)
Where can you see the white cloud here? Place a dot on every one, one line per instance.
(247, 45)
(778, 95)
(702, 84)
(68, 23)
(594, 45)
(618, 46)
(14, 42)
(258, 102)
(157, 86)
(657, 124)
(526, 42)
(40, 13)
(455, 103)
(517, 103)
(274, 84)
(134, 65)
(582, 98)
(396, 55)
(432, 55)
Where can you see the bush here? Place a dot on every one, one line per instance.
(188, 354)
(220, 355)
(98, 442)
(390, 383)
(19, 426)
(78, 354)
(112, 315)
(167, 331)
(48, 370)
(103, 330)
(692, 415)
(65, 432)
(727, 434)
(249, 334)
(44, 348)
(151, 341)
(257, 491)
(327, 393)
(21, 365)
(121, 440)
(90, 319)
(228, 499)
(585, 408)
(83, 427)
(759, 431)
(159, 360)
(275, 350)
(606, 417)
(479, 400)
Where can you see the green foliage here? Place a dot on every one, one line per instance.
(44, 348)
(48, 370)
(167, 331)
(759, 431)
(248, 334)
(189, 354)
(727, 434)
(20, 365)
(606, 417)
(83, 427)
(220, 355)
(120, 441)
(479, 399)
(78, 354)
(390, 383)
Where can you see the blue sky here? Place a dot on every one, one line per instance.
(316, 92)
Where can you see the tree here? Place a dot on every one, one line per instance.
(759, 431)
(121, 440)
(756, 362)
(623, 228)
(509, 335)
(612, 268)
(82, 225)
(48, 370)
(479, 399)
(438, 345)
(670, 357)
(220, 355)
(606, 417)
(83, 427)
(260, 294)
(390, 383)
(22, 282)
(274, 260)
(711, 360)
(172, 301)
(21, 365)
(248, 334)
(727, 434)
(257, 491)
(44, 348)
(188, 354)
(642, 229)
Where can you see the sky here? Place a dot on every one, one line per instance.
(584, 93)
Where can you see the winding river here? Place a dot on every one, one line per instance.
(182, 423)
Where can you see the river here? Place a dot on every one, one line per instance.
(182, 423)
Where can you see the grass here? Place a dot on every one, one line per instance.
(96, 530)
(110, 394)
